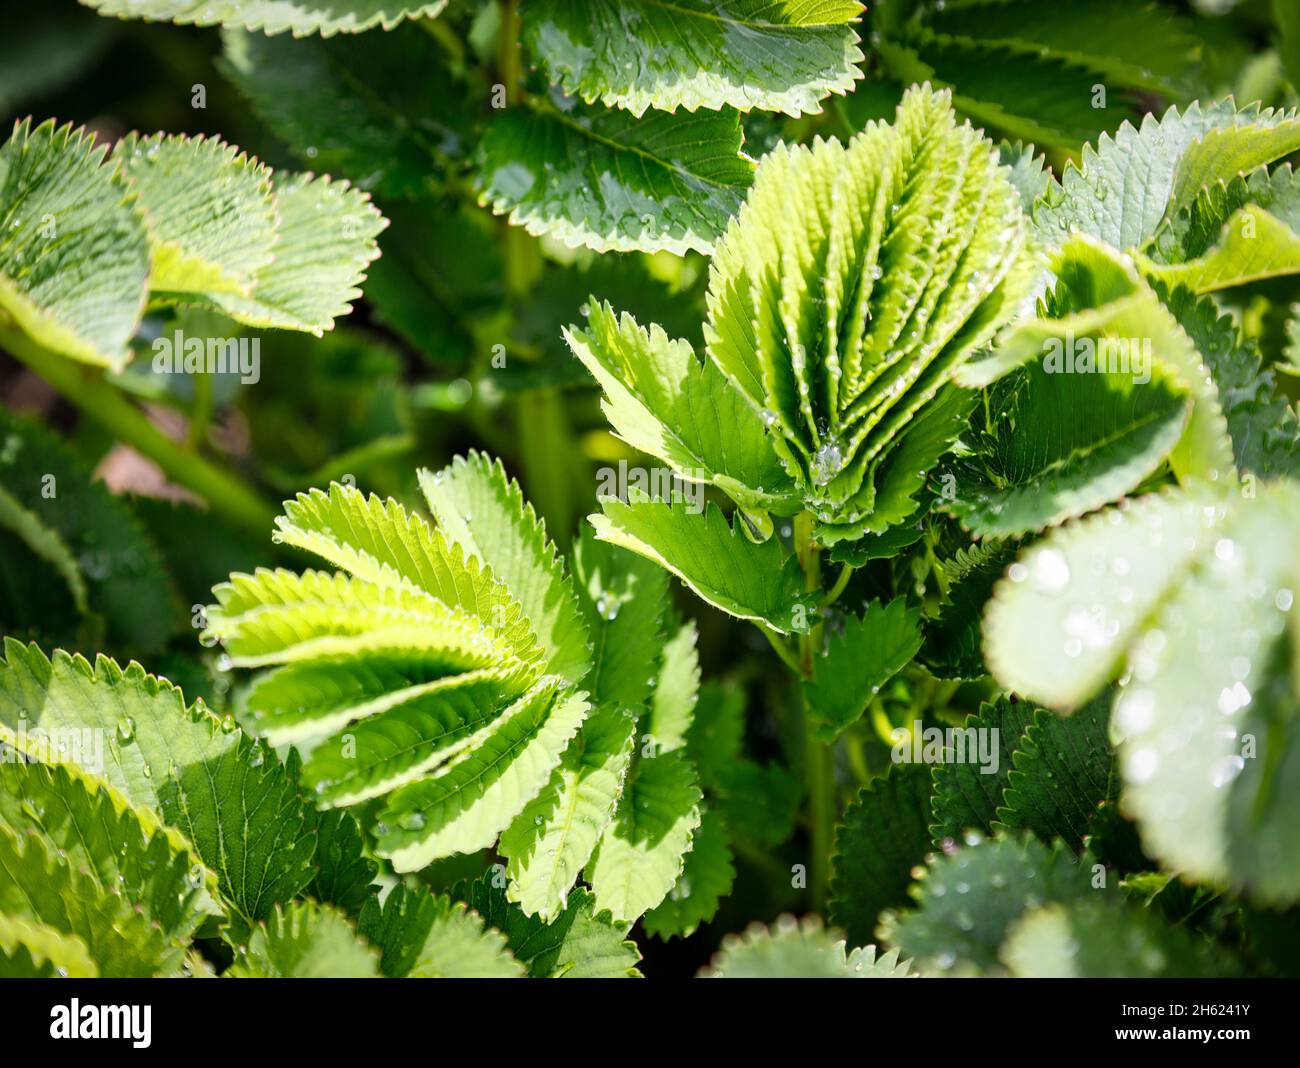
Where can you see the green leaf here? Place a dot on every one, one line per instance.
(464, 804)
(849, 289)
(428, 936)
(36, 951)
(760, 802)
(327, 239)
(1193, 595)
(44, 542)
(883, 836)
(697, 53)
(716, 559)
(717, 729)
(38, 886)
(553, 838)
(1230, 234)
(1132, 44)
(1072, 604)
(580, 943)
(1290, 363)
(623, 596)
(114, 845)
(675, 693)
(662, 400)
(612, 182)
(968, 901)
(1062, 770)
(124, 580)
(1101, 306)
(1028, 172)
(485, 513)
(413, 730)
(705, 880)
(965, 798)
(305, 940)
(858, 661)
(952, 636)
(1097, 940)
(274, 16)
(1034, 71)
(1129, 184)
(794, 949)
(641, 854)
(1063, 444)
(344, 875)
(377, 107)
(235, 802)
(74, 256)
(211, 216)
(382, 544)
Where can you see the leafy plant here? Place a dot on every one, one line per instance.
(946, 353)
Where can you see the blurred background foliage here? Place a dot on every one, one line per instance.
(457, 342)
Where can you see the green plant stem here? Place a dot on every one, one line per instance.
(841, 584)
(200, 411)
(818, 763)
(783, 649)
(509, 62)
(87, 388)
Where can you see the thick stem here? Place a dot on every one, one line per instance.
(819, 768)
(88, 390)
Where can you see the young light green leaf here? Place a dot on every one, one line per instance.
(553, 838)
(233, 800)
(663, 401)
(74, 255)
(842, 355)
(713, 557)
(427, 936)
(676, 691)
(642, 852)
(858, 661)
(466, 803)
(212, 220)
(484, 512)
(580, 943)
(305, 940)
(327, 238)
(705, 880)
